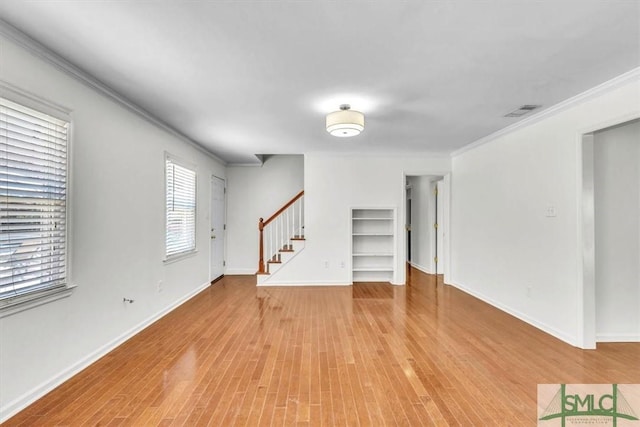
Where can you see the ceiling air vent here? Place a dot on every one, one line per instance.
(525, 109)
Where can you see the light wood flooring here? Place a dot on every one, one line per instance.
(371, 354)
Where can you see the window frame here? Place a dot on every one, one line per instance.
(168, 157)
(18, 303)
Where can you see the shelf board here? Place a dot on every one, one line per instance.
(370, 269)
(372, 234)
(373, 254)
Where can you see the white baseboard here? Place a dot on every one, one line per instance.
(604, 337)
(306, 283)
(240, 271)
(421, 268)
(525, 318)
(10, 409)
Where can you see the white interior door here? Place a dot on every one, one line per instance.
(217, 227)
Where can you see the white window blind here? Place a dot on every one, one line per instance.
(181, 209)
(33, 191)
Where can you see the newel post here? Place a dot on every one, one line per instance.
(261, 262)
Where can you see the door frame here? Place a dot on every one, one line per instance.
(224, 230)
(445, 200)
(408, 220)
(586, 230)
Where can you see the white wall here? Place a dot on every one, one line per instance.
(617, 232)
(117, 210)
(505, 249)
(255, 192)
(334, 184)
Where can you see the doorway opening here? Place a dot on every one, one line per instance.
(611, 234)
(425, 223)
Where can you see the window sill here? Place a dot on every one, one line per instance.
(179, 257)
(26, 302)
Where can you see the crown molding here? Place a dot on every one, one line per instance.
(245, 165)
(43, 52)
(608, 86)
(385, 154)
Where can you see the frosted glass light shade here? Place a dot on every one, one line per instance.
(345, 123)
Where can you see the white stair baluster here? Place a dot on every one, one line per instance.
(293, 216)
(289, 225)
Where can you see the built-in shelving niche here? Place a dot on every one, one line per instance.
(373, 245)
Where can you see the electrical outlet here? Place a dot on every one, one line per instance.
(160, 286)
(551, 212)
(342, 264)
(326, 264)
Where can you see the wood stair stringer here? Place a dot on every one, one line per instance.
(280, 260)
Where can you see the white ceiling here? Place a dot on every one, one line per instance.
(257, 77)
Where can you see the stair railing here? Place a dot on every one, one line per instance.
(279, 229)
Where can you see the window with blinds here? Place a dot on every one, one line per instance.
(33, 203)
(181, 209)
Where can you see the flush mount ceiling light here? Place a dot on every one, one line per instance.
(345, 122)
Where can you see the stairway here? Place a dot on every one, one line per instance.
(281, 238)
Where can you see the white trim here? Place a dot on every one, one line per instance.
(420, 267)
(192, 167)
(260, 159)
(180, 256)
(31, 300)
(618, 337)
(41, 51)
(611, 122)
(445, 200)
(180, 161)
(224, 222)
(33, 101)
(527, 319)
(605, 87)
(41, 105)
(246, 165)
(395, 279)
(307, 283)
(18, 404)
(240, 271)
(384, 154)
(401, 244)
(586, 287)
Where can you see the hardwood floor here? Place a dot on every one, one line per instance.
(371, 354)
